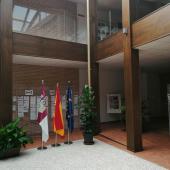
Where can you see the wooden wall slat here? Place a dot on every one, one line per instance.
(28, 77)
(44, 47)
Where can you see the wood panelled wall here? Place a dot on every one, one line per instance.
(29, 77)
(5, 61)
(49, 48)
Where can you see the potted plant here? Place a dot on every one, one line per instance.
(12, 137)
(87, 114)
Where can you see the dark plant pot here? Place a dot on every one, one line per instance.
(88, 138)
(10, 153)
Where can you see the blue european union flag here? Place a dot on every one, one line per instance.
(69, 112)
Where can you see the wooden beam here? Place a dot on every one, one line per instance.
(94, 65)
(131, 80)
(152, 27)
(50, 48)
(6, 7)
(106, 48)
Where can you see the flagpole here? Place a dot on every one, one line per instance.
(88, 43)
(68, 142)
(56, 144)
(42, 147)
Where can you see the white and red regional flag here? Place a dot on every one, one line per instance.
(43, 114)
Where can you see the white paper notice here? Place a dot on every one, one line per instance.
(20, 106)
(26, 104)
(33, 108)
(14, 98)
(14, 108)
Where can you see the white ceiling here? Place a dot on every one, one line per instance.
(154, 56)
(40, 61)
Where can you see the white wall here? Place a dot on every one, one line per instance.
(111, 81)
(154, 94)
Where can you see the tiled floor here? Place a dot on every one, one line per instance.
(156, 144)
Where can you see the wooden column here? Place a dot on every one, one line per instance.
(6, 7)
(94, 72)
(131, 78)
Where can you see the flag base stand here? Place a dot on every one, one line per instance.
(42, 148)
(68, 142)
(56, 145)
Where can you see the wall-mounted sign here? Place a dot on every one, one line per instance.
(52, 92)
(29, 92)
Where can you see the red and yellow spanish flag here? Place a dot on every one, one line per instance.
(58, 123)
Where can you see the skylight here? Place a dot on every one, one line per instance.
(31, 15)
(19, 12)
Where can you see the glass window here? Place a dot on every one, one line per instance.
(31, 15)
(17, 25)
(19, 12)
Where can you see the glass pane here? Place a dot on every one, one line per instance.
(109, 22)
(17, 25)
(31, 15)
(50, 21)
(19, 12)
(25, 27)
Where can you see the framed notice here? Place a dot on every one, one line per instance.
(113, 103)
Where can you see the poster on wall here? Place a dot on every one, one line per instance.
(14, 106)
(33, 108)
(26, 104)
(113, 103)
(14, 99)
(20, 100)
